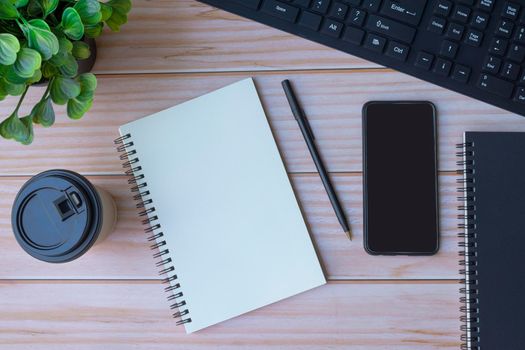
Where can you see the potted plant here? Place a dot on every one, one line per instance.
(43, 41)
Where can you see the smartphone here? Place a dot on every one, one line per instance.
(400, 178)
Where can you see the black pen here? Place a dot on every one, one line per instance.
(310, 142)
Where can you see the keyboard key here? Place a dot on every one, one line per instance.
(280, 10)
(397, 51)
(520, 35)
(492, 64)
(461, 14)
(357, 17)
(407, 11)
(390, 28)
(443, 8)
(522, 79)
(339, 11)
(455, 31)
(510, 71)
(352, 2)
(486, 5)
(449, 49)
(437, 25)
(310, 20)
(353, 35)
(442, 67)
(510, 10)
(520, 95)
(302, 3)
(372, 5)
(504, 28)
(495, 85)
(461, 73)
(516, 53)
(375, 43)
(474, 38)
(498, 46)
(424, 60)
(321, 6)
(480, 21)
(332, 28)
(253, 4)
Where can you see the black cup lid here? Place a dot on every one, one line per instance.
(57, 216)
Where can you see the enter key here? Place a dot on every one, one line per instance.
(407, 11)
(390, 28)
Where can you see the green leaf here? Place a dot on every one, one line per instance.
(119, 15)
(89, 11)
(8, 10)
(14, 128)
(93, 31)
(35, 78)
(29, 136)
(14, 89)
(81, 50)
(70, 67)
(43, 113)
(72, 24)
(76, 108)
(34, 9)
(49, 70)
(88, 82)
(3, 91)
(20, 3)
(27, 62)
(40, 38)
(9, 47)
(64, 48)
(49, 6)
(12, 76)
(106, 11)
(63, 89)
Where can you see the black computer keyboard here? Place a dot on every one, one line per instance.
(474, 47)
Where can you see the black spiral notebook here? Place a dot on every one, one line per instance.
(493, 250)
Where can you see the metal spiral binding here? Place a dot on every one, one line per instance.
(141, 195)
(470, 337)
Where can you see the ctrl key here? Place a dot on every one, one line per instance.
(520, 95)
(397, 50)
(495, 85)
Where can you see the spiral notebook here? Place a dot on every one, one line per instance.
(493, 249)
(225, 224)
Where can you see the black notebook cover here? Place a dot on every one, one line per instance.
(494, 248)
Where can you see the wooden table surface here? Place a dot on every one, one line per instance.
(172, 51)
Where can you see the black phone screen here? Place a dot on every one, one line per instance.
(400, 178)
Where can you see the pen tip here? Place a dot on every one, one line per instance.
(349, 234)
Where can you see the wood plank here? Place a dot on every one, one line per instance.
(332, 100)
(129, 315)
(125, 254)
(187, 36)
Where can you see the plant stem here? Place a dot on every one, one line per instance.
(20, 101)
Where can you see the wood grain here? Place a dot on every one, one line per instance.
(125, 254)
(187, 36)
(332, 100)
(135, 315)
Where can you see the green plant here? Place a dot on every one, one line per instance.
(41, 40)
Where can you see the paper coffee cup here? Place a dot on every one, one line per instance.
(58, 215)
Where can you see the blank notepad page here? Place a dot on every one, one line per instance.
(231, 221)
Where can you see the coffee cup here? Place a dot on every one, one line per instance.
(58, 215)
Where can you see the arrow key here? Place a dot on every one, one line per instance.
(461, 73)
